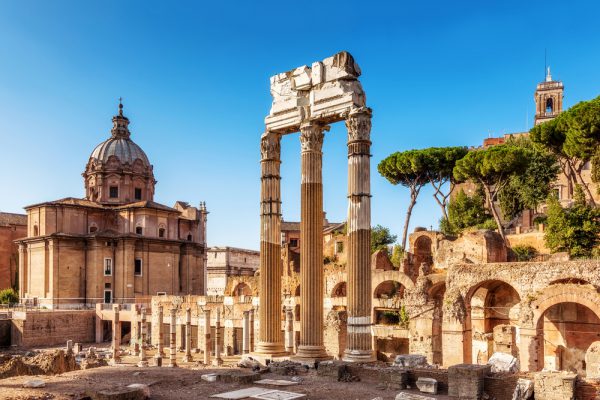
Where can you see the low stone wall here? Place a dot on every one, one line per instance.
(501, 387)
(440, 375)
(50, 328)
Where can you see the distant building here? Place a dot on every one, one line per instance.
(117, 243)
(12, 227)
(225, 262)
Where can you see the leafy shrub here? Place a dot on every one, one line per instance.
(9, 296)
(524, 253)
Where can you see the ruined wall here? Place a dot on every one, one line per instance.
(9, 263)
(53, 327)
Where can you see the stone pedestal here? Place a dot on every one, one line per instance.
(188, 336)
(466, 381)
(359, 341)
(173, 338)
(269, 336)
(311, 348)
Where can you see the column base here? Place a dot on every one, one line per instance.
(359, 356)
(310, 355)
(270, 349)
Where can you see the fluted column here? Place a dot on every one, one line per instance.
(161, 337)
(311, 346)
(173, 338)
(144, 332)
(188, 336)
(359, 346)
(116, 335)
(206, 337)
(218, 360)
(269, 336)
(246, 332)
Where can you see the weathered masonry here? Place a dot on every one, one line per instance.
(306, 100)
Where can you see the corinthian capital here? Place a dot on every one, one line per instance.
(311, 136)
(270, 146)
(358, 124)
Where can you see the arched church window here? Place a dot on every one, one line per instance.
(93, 228)
(549, 105)
(138, 230)
(161, 232)
(189, 237)
(36, 230)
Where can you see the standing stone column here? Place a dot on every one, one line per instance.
(218, 360)
(359, 345)
(161, 337)
(246, 332)
(116, 335)
(144, 328)
(173, 338)
(206, 337)
(289, 331)
(269, 340)
(251, 317)
(311, 346)
(188, 335)
(135, 333)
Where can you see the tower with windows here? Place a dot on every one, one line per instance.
(548, 99)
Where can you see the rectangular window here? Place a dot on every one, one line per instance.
(138, 267)
(113, 192)
(138, 193)
(138, 230)
(107, 266)
(339, 247)
(293, 242)
(107, 296)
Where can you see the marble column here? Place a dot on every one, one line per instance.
(359, 343)
(144, 329)
(270, 342)
(173, 338)
(161, 337)
(289, 331)
(206, 337)
(188, 336)
(218, 360)
(246, 332)
(116, 342)
(135, 333)
(251, 317)
(311, 346)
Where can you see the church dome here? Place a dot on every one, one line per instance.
(119, 144)
(122, 148)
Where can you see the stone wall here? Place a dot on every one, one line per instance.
(5, 330)
(9, 232)
(50, 328)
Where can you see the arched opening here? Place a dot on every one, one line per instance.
(422, 251)
(297, 291)
(242, 289)
(436, 294)
(138, 230)
(189, 238)
(565, 331)
(36, 230)
(549, 105)
(93, 228)
(161, 232)
(492, 304)
(389, 290)
(339, 290)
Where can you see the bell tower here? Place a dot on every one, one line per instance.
(548, 99)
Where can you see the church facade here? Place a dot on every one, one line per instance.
(116, 244)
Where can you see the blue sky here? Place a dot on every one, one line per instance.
(195, 81)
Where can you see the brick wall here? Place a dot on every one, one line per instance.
(53, 328)
(500, 387)
(587, 390)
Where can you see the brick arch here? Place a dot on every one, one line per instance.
(234, 283)
(586, 296)
(474, 288)
(380, 277)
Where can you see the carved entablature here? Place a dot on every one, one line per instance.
(326, 92)
(311, 137)
(270, 146)
(358, 124)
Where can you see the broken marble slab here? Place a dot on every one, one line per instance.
(278, 395)
(276, 382)
(242, 393)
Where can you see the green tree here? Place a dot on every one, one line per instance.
(533, 186)
(440, 162)
(575, 229)
(381, 238)
(492, 168)
(409, 169)
(397, 256)
(9, 296)
(466, 211)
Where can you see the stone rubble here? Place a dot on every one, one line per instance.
(427, 385)
(503, 362)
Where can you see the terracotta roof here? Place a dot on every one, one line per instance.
(69, 201)
(147, 204)
(72, 201)
(12, 219)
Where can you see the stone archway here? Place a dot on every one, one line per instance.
(566, 321)
(306, 100)
(423, 252)
(490, 304)
(242, 289)
(339, 290)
